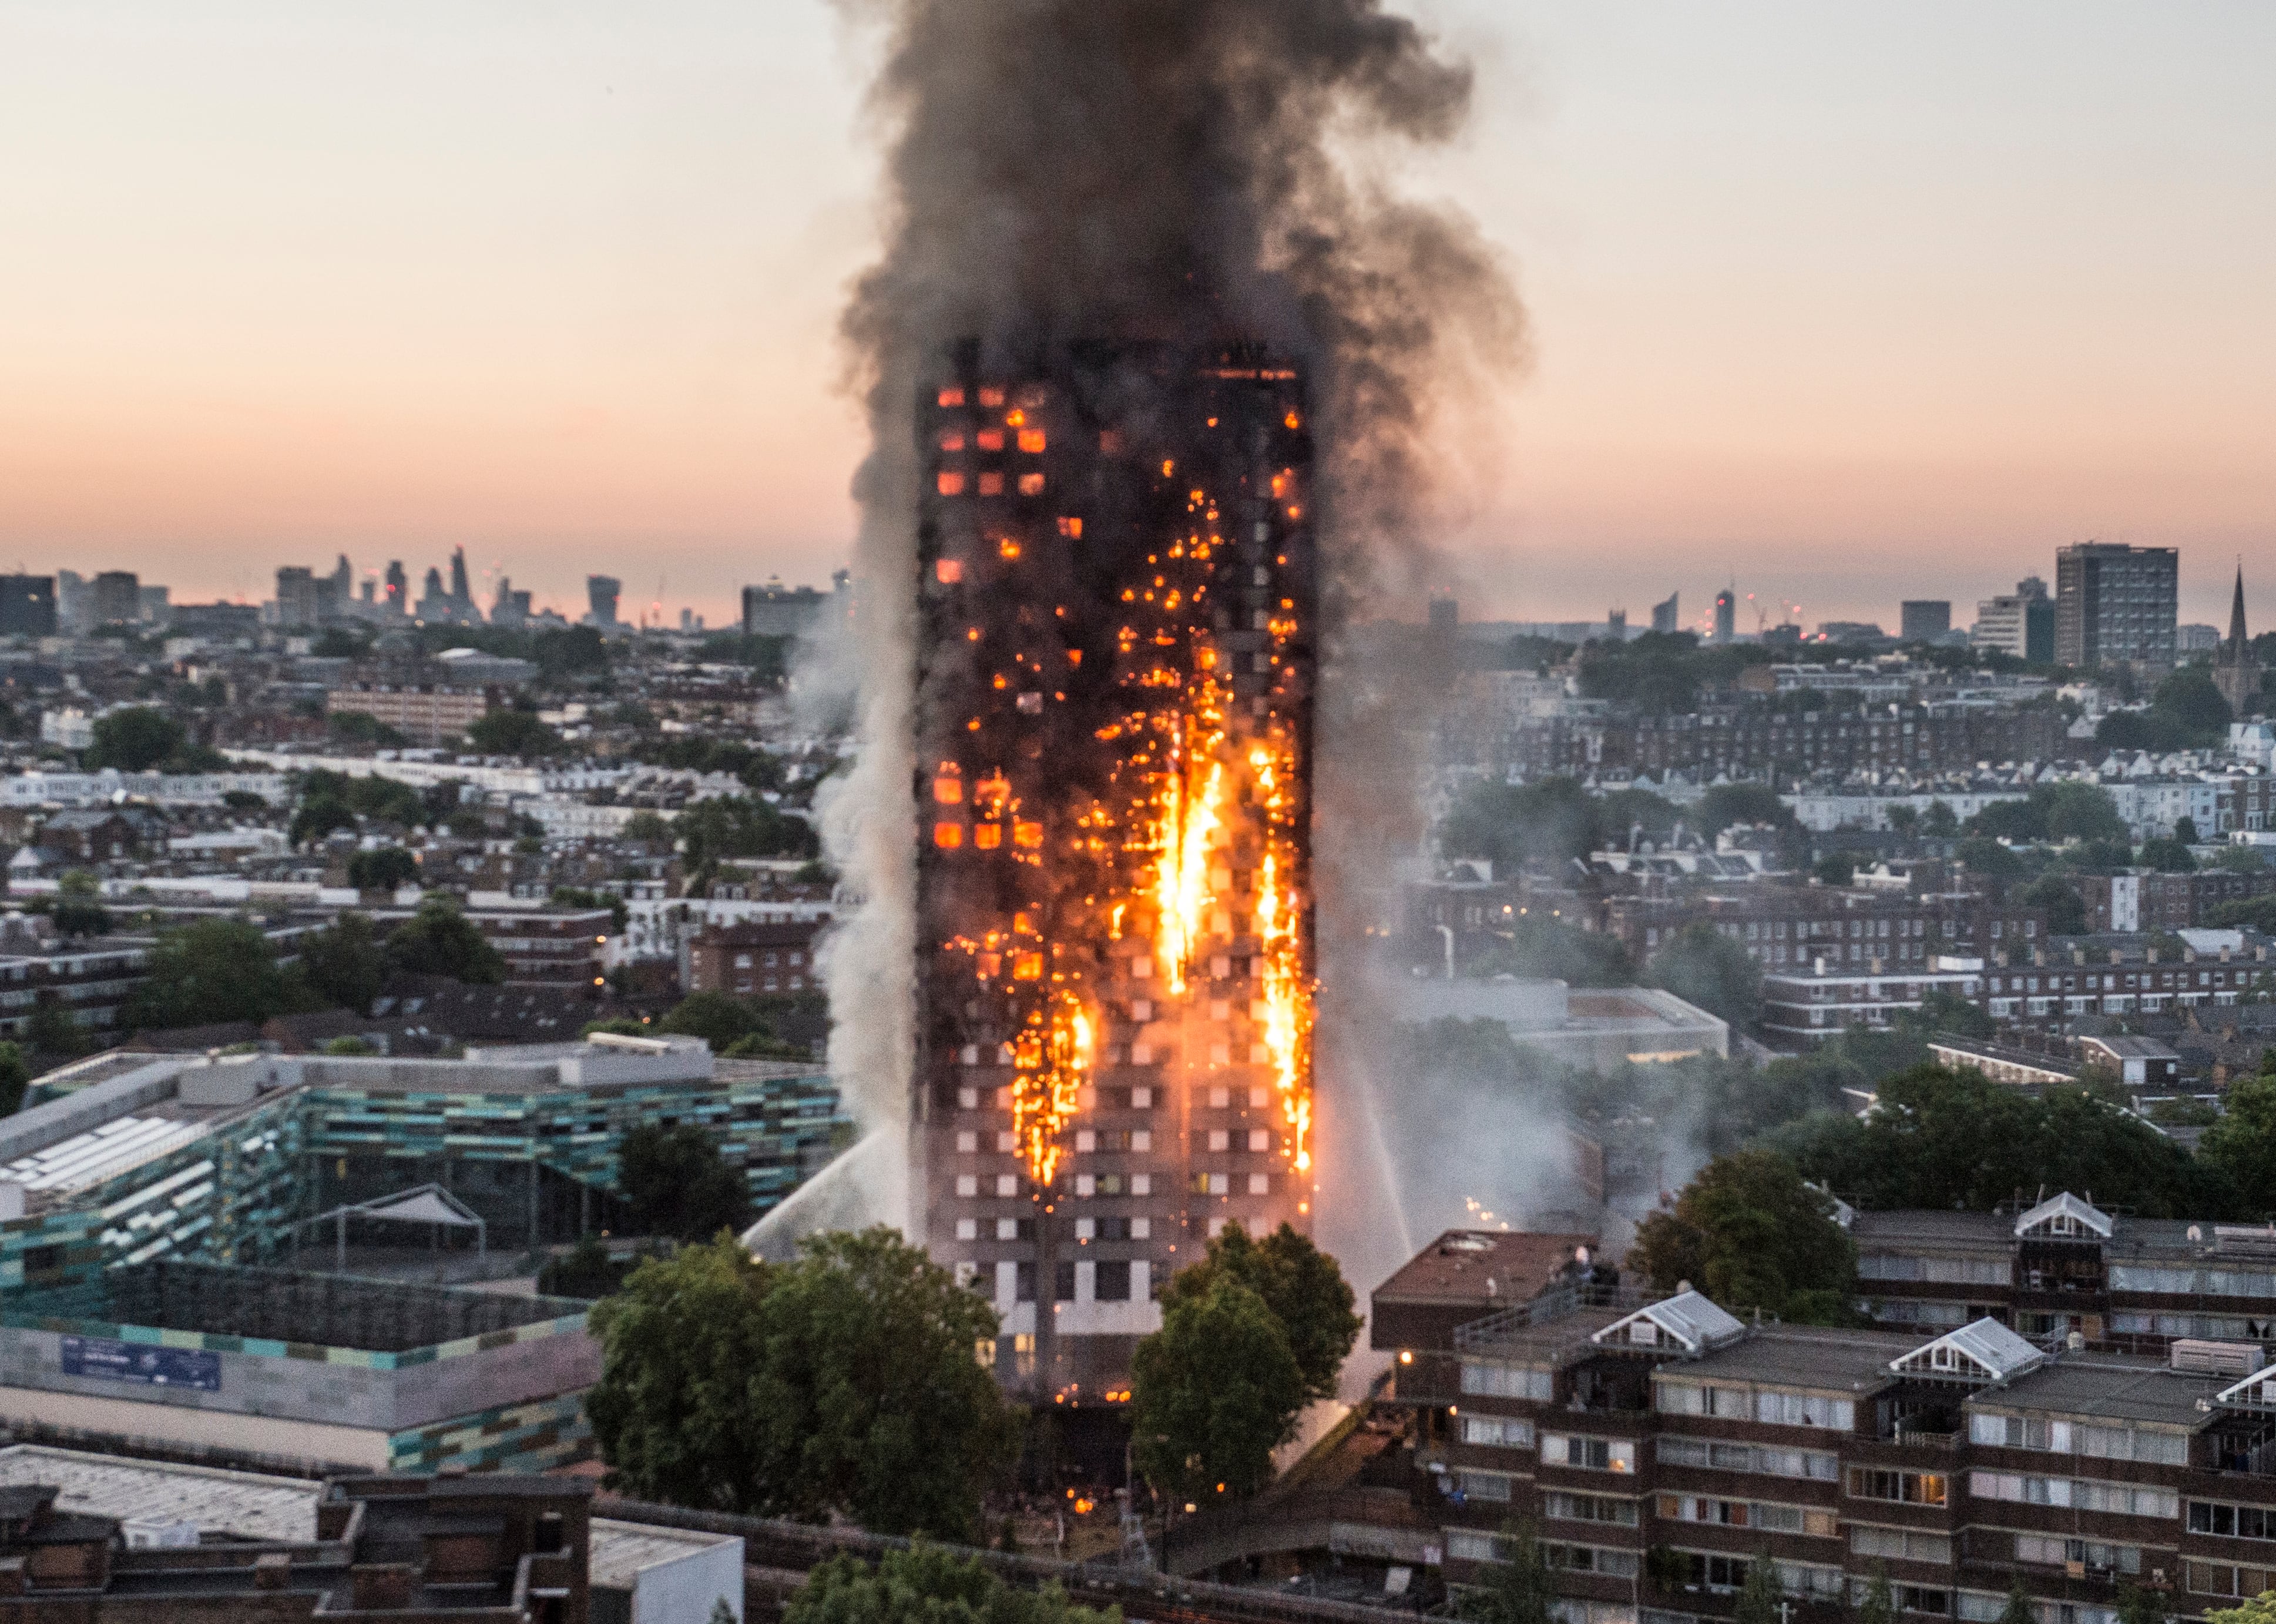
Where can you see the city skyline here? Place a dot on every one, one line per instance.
(604, 328)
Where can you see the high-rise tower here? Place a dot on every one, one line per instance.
(1113, 732)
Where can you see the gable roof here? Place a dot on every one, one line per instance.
(1688, 1322)
(1985, 1351)
(2062, 1206)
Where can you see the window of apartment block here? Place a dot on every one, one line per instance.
(1113, 1284)
(1598, 1454)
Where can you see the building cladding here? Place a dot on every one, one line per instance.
(2116, 605)
(1924, 620)
(1661, 1450)
(1056, 506)
(27, 606)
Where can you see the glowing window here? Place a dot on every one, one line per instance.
(990, 439)
(1030, 484)
(1031, 440)
(953, 484)
(1027, 834)
(946, 835)
(991, 395)
(951, 442)
(1027, 966)
(1008, 548)
(1071, 528)
(988, 836)
(947, 790)
(991, 484)
(951, 396)
(948, 571)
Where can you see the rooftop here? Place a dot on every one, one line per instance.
(1483, 1265)
(1805, 1356)
(2107, 1387)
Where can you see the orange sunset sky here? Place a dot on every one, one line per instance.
(1847, 303)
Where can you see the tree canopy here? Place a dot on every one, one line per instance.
(1704, 966)
(843, 1384)
(1958, 1140)
(513, 733)
(1517, 1589)
(1541, 948)
(1213, 1394)
(211, 970)
(386, 868)
(1748, 1233)
(925, 1584)
(1299, 1284)
(440, 940)
(678, 1184)
(743, 826)
(342, 963)
(140, 738)
(2242, 1145)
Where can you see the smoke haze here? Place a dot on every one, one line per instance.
(1064, 173)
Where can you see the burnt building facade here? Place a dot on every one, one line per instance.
(1113, 740)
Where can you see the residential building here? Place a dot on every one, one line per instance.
(753, 959)
(1726, 616)
(1804, 1007)
(565, 949)
(777, 611)
(1924, 620)
(427, 712)
(27, 606)
(1667, 615)
(2116, 605)
(1792, 927)
(1662, 1451)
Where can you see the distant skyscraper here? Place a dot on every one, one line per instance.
(1924, 620)
(600, 591)
(296, 596)
(157, 610)
(399, 589)
(2116, 605)
(2021, 623)
(117, 598)
(28, 606)
(434, 603)
(2234, 672)
(1664, 617)
(74, 602)
(461, 595)
(1726, 616)
(777, 611)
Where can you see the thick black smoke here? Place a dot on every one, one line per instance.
(1064, 173)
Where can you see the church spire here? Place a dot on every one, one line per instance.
(2236, 638)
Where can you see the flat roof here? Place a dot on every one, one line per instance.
(2109, 1387)
(252, 1505)
(1455, 1268)
(1932, 1226)
(619, 1550)
(1807, 1356)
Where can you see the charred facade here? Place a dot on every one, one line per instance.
(1115, 681)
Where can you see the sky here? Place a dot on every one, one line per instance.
(1842, 304)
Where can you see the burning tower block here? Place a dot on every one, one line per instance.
(1114, 731)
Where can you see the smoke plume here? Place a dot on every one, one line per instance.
(1064, 172)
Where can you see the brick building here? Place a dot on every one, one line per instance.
(1790, 927)
(1662, 1451)
(428, 712)
(753, 959)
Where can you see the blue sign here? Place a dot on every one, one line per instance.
(134, 1362)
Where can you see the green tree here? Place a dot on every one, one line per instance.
(2018, 1610)
(743, 826)
(1299, 1284)
(1987, 857)
(15, 1077)
(1940, 820)
(2242, 1145)
(1835, 869)
(1941, 1011)
(2260, 1610)
(843, 1384)
(1759, 1596)
(577, 650)
(1903, 820)
(1213, 1394)
(2079, 812)
(2137, 1605)
(648, 826)
(1510, 824)
(1749, 1233)
(719, 1018)
(925, 1584)
(78, 909)
(2066, 908)
(1518, 1587)
(317, 816)
(2185, 830)
(2168, 856)
(386, 868)
(439, 940)
(1704, 966)
(1725, 804)
(343, 964)
(2195, 704)
(134, 739)
(513, 733)
(51, 1030)
(1878, 1604)
(208, 971)
(362, 727)
(349, 1045)
(677, 1183)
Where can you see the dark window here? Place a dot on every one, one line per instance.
(1114, 1281)
(1025, 1290)
(1063, 1287)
